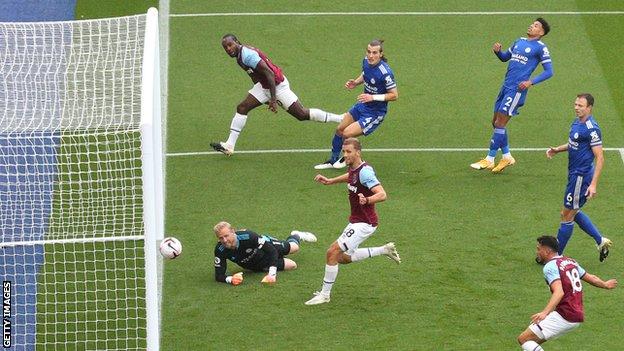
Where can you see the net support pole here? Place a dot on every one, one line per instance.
(152, 168)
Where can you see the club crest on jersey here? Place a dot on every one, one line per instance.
(217, 261)
(372, 80)
(527, 50)
(575, 135)
(352, 188)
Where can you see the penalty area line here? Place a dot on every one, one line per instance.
(430, 149)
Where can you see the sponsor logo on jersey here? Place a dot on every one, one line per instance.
(370, 88)
(519, 58)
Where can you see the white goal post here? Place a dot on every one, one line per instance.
(81, 184)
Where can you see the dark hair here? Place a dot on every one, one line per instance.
(545, 25)
(588, 97)
(231, 36)
(549, 241)
(379, 42)
(353, 141)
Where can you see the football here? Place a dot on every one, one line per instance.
(170, 247)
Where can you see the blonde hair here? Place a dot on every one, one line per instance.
(353, 141)
(223, 224)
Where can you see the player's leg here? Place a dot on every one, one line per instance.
(512, 104)
(289, 264)
(290, 102)
(295, 239)
(256, 97)
(529, 341)
(566, 227)
(584, 222)
(488, 161)
(337, 139)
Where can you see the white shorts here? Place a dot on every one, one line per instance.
(285, 97)
(353, 235)
(553, 326)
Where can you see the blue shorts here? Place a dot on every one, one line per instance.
(574, 197)
(368, 119)
(510, 100)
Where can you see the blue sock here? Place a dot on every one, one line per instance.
(497, 140)
(564, 234)
(336, 147)
(505, 142)
(588, 227)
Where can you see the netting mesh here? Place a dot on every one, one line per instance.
(70, 180)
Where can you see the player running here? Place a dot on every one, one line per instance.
(584, 146)
(254, 252)
(371, 107)
(270, 86)
(523, 55)
(564, 311)
(364, 192)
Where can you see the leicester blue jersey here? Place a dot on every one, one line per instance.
(525, 56)
(583, 136)
(378, 79)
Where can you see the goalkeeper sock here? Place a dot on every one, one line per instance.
(367, 252)
(588, 227)
(323, 116)
(293, 239)
(531, 346)
(564, 234)
(330, 277)
(238, 123)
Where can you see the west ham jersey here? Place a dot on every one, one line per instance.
(583, 136)
(570, 274)
(361, 181)
(248, 58)
(378, 79)
(525, 56)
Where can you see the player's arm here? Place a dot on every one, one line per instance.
(328, 181)
(555, 298)
(599, 283)
(390, 95)
(379, 195)
(598, 164)
(352, 83)
(547, 73)
(269, 76)
(504, 56)
(271, 253)
(552, 151)
(220, 263)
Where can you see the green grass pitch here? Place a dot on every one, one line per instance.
(467, 238)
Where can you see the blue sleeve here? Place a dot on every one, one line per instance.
(548, 72)
(389, 80)
(505, 55)
(545, 55)
(368, 178)
(250, 57)
(595, 137)
(551, 272)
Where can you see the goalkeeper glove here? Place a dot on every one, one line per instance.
(236, 279)
(271, 277)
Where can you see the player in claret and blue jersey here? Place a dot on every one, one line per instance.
(564, 311)
(524, 55)
(370, 110)
(584, 146)
(270, 86)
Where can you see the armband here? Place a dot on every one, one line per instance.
(379, 97)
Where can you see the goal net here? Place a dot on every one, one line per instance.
(81, 184)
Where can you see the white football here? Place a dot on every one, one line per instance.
(170, 247)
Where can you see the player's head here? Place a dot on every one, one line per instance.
(538, 28)
(230, 44)
(352, 151)
(583, 105)
(375, 52)
(547, 247)
(225, 234)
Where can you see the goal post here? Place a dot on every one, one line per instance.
(81, 184)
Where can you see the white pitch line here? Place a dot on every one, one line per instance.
(451, 13)
(431, 149)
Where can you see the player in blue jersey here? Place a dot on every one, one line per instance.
(370, 110)
(524, 55)
(270, 86)
(584, 146)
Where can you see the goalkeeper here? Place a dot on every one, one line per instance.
(258, 253)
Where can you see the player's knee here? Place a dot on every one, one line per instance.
(294, 248)
(300, 115)
(242, 108)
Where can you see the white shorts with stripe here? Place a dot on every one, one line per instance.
(285, 97)
(553, 326)
(353, 235)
